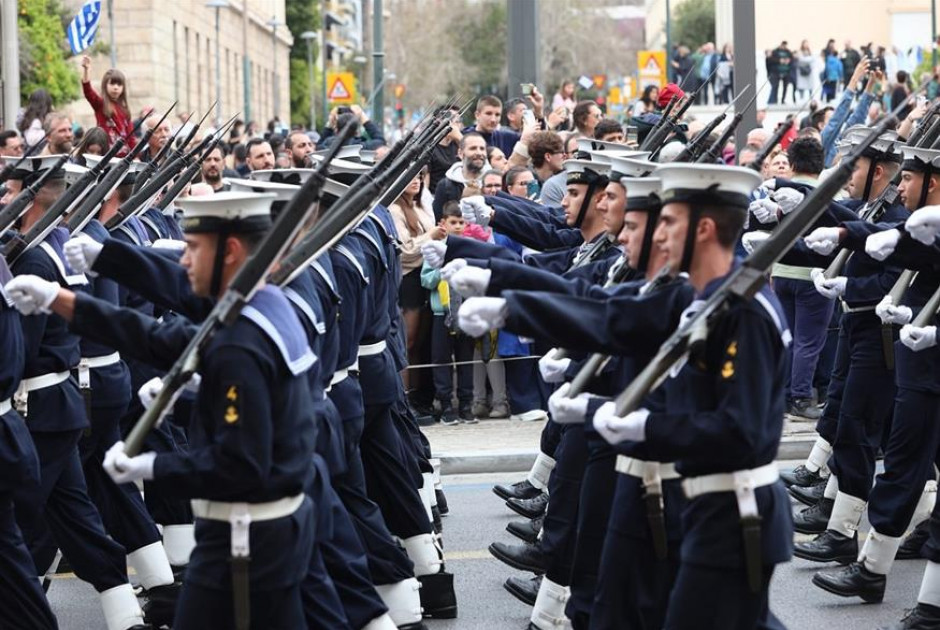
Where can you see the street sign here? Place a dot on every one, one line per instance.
(342, 90)
(599, 80)
(652, 65)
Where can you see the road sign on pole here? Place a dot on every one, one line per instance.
(652, 68)
(342, 90)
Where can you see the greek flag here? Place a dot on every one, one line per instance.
(82, 30)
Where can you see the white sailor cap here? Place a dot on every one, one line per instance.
(917, 159)
(296, 177)
(130, 176)
(73, 172)
(588, 145)
(636, 165)
(585, 172)
(726, 185)
(605, 157)
(884, 148)
(642, 192)
(349, 152)
(30, 168)
(232, 212)
(282, 192)
(367, 156)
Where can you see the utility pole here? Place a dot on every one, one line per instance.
(308, 37)
(218, 5)
(277, 93)
(523, 45)
(246, 67)
(323, 56)
(10, 69)
(378, 65)
(745, 63)
(111, 31)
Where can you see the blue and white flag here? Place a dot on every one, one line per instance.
(84, 27)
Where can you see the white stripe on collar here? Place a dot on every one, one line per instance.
(344, 251)
(71, 280)
(296, 366)
(305, 308)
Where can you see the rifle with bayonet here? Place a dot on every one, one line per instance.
(931, 117)
(175, 163)
(712, 154)
(239, 292)
(111, 180)
(353, 206)
(744, 281)
(28, 153)
(775, 139)
(656, 138)
(155, 161)
(20, 204)
(692, 150)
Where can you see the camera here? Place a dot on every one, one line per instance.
(878, 63)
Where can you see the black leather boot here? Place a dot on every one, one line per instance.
(529, 508)
(526, 530)
(438, 600)
(829, 546)
(441, 502)
(808, 495)
(910, 548)
(801, 476)
(519, 490)
(524, 557)
(160, 604)
(814, 519)
(921, 617)
(853, 580)
(524, 589)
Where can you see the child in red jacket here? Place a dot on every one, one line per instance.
(111, 112)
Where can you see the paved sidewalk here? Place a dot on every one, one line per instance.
(511, 445)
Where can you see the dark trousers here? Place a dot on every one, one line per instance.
(523, 386)
(561, 518)
(707, 598)
(909, 461)
(864, 402)
(827, 356)
(597, 494)
(931, 549)
(200, 607)
(388, 562)
(550, 438)
(61, 515)
(23, 605)
(808, 314)
(390, 481)
(447, 346)
(122, 509)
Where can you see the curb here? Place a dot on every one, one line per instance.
(520, 460)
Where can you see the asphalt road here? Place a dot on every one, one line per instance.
(479, 518)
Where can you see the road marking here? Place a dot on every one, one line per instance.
(476, 554)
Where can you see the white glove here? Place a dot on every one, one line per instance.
(566, 410)
(769, 184)
(787, 199)
(448, 270)
(31, 294)
(918, 338)
(924, 224)
(891, 314)
(149, 391)
(433, 253)
(169, 243)
(470, 281)
(479, 315)
(831, 288)
(764, 210)
(475, 210)
(616, 429)
(823, 240)
(81, 252)
(880, 245)
(124, 469)
(553, 370)
(750, 240)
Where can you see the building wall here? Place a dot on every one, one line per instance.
(167, 50)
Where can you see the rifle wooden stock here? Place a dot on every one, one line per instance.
(926, 315)
(744, 281)
(239, 292)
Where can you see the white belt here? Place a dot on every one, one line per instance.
(341, 375)
(223, 510)
(240, 516)
(370, 349)
(44, 381)
(739, 481)
(640, 469)
(5, 406)
(86, 364)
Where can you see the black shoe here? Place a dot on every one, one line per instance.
(913, 542)
(526, 530)
(519, 490)
(449, 417)
(524, 589)
(425, 420)
(160, 604)
(179, 572)
(529, 508)
(921, 617)
(804, 409)
(829, 546)
(466, 416)
(523, 557)
(814, 519)
(438, 600)
(853, 580)
(441, 502)
(808, 495)
(801, 476)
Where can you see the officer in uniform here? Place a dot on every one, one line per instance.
(254, 434)
(61, 514)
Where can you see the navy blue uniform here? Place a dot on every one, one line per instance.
(252, 441)
(60, 514)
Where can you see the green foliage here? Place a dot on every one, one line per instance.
(302, 15)
(44, 51)
(482, 46)
(693, 23)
